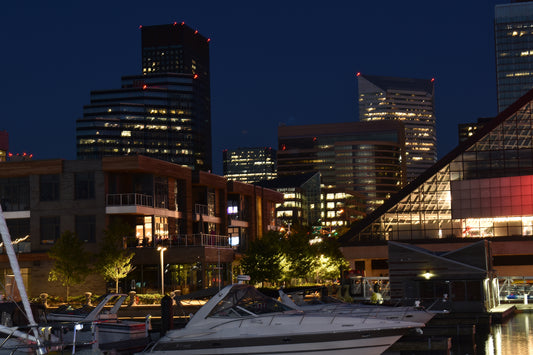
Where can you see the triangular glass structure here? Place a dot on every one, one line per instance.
(481, 189)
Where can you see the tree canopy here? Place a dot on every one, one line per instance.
(293, 258)
(262, 262)
(71, 261)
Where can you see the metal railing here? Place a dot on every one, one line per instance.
(129, 199)
(515, 287)
(189, 240)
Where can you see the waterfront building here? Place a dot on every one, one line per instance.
(301, 198)
(365, 157)
(513, 32)
(249, 164)
(165, 113)
(482, 189)
(4, 145)
(410, 101)
(165, 204)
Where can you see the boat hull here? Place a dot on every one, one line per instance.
(242, 341)
(372, 346)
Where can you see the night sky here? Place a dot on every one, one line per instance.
(272, 62)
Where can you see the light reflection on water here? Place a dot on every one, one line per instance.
(514, 337)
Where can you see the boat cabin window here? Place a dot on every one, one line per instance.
(246, 301)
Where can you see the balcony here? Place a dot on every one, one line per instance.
(133, 203)
(205, 213)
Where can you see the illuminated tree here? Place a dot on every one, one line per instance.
(114, 262)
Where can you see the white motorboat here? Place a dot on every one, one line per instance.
(100, 326)
(402, 313)
(241, 320)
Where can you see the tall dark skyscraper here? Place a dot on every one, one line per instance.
(513, 32)
(165, 113)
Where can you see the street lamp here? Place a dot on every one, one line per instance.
(161, 250)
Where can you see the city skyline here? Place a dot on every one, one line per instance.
(270, 64)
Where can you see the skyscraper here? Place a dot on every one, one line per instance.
(513, 32)
(410, 101)
(165, 113)
(249, 164)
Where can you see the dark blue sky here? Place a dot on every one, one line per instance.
(273, 62)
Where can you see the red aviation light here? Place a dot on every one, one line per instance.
(10, 155)
(196, 32)
(432, 80)
(175, 23)
(140, 26)
(183, 23)
(283, 147)
(358, 74)
(195, 76)
(209, 40)
(144, 87)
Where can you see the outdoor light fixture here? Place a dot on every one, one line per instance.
(161, 250)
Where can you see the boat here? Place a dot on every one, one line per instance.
(99, 327)
(241, 320)
(334, 306)
(68, 329)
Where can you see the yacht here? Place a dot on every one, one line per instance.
(337, 307)
(241, 320)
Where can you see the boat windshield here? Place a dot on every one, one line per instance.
(244, 300)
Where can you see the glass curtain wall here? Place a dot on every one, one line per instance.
(484, 191)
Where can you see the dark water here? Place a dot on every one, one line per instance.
(514, 337)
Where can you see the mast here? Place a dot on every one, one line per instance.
(6, 238)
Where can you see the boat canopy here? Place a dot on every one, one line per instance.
(244, 300)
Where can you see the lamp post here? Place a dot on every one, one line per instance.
(161, 250)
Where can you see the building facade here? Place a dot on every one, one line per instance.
(301, 198)
(410, 101)
(480, 190)
(513, 32)
(249, 164)
(163, 204)
(467, 130)
(4, 145)
(165, 113)
(365, 157)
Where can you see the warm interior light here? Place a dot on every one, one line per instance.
(427, 275)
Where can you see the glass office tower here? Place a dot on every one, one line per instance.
(410, 101)
(165, 113)
(513, 27)
(365, 157)
(249, 164)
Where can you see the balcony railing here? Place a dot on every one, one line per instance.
(190, 240)
(130, 199)
(202, 239)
